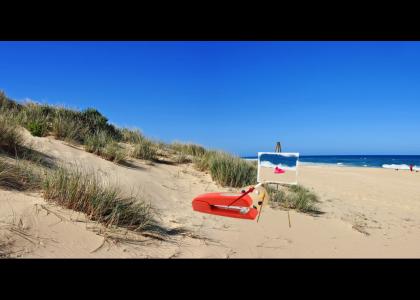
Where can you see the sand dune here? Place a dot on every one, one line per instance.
(368, 213)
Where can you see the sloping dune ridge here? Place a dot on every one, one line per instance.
(366, 213)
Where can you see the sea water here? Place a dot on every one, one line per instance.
(368, 161)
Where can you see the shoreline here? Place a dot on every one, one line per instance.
(400, 167)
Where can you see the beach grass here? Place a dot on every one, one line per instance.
(224, 168)
(114, 152)
(19, 176)
(188, 149)
(182, 159)
(232, 171)
(103, 145)
(91, 129)
(294, 197)
(83, 191)
(10, 137)
(144, 149)
(132, 136)
(65, 126)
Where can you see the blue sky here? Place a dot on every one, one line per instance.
(242, 97)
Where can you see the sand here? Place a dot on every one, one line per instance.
(367, 213)
(267, 174)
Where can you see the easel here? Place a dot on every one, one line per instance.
(278, 150)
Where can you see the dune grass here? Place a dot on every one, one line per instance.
(294, 197)
(229, 170)
(65, 126)
(91, 129)
(101, 144)
(188, 149)
(132, 136)
(114, 152)
(63, 123)
(10, 137)
(18, 176)
(83, 191)
(145, 149)
(182, 159)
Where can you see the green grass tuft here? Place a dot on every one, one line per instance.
(232, 171)
(37, 128)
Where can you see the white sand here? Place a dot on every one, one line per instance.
(368, 213)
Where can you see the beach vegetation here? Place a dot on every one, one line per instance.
(181, 158)
(144, 149)
(18, 176)
(294, 197)
(132, 136)
(10, 137)
(232, 171)
(188, 149)
(84, 191)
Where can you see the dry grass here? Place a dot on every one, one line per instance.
(188, 149)
(100, 143)
(132, 136)
(19, 176)
(10, 137)
(145, 149)
(294, 197)
(83, 191)
(5, 245)
(182, 159)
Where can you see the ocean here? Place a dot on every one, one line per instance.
(368, 161)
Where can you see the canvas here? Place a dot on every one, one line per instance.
(278, 167)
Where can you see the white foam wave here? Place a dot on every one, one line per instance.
(285, 154)
(268, 164)
(398, 167)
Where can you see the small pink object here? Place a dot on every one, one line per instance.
(277, 170)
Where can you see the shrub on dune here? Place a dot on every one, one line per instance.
(37, 128)
(67, 128)
(36, 118)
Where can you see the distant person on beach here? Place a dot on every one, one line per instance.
(411, 168)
